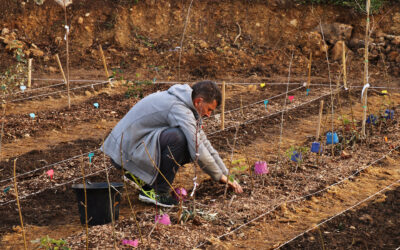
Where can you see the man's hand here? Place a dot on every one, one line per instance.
(234, 185)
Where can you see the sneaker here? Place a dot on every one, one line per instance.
(162, 199)
(133, 180)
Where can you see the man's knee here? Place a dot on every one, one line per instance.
(172, 136)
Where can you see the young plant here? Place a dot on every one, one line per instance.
(14, 76)
(296, 154)
(136, 88)
(49, 244)
(237, 168)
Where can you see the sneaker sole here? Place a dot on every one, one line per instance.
(148, 200)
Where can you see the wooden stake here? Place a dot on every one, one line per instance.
(84, 188)
(241, 106)
(29, 72)
(19, 206)
(366, 44)
(112, 209)
(127, 191)
(2, 127)
(104, 61)
(65, 79)
(321, 107)
(344, 66)
(223, 107)
(61, 68)
(309, 71)
(366, 70)
(67, 49)
(365, 106)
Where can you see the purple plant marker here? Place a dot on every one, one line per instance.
(133, 243)
(260, 167)
(163, 219)
(182, 193)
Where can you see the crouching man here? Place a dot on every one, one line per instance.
(166, 123)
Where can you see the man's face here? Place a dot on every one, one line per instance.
(204, 108)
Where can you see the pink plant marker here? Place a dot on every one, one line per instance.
(50, 173)
(182, 193)
(260, 167)
(163, 219)
(133, 243)
(291, 97)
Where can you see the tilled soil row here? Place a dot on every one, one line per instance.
(284, 183)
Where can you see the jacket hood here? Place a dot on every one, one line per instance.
(184, 93)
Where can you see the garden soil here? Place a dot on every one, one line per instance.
(232, 41)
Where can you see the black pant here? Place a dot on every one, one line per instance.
(173, 141)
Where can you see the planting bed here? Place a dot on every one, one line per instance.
(358, 229)
(257, 127)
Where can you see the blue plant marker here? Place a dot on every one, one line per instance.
(308, 91)
(296, 156)
(96, 105)
(329, 138)
(389, 113)
(6, 189)
(265, 103)
(371, 119)
(91, 154)
(22, 87)
(32, 115)
(316, 147)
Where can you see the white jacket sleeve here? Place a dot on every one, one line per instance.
(182, 117)
(214, 153)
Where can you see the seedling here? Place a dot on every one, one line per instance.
(389, 114)
(48, 243)
(372, 119)
(296, 153)
(136, 88)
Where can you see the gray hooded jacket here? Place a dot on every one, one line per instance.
(142, 126)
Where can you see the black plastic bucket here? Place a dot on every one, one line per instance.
(98, 202)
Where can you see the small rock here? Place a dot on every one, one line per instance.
(258, 25)
(37, 52)
(52, 69)
(5, 31)
(393, 55)
(87, 14)
(80, 20)
(352, 227)
(337, 51)
(294, 22)
(345, 155)
(26, 135)
(203, 44)
(366, 218)
(396, 40)
(87, 93)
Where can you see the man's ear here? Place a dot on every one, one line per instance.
(197, 100)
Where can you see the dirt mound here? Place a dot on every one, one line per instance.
(229, 39)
